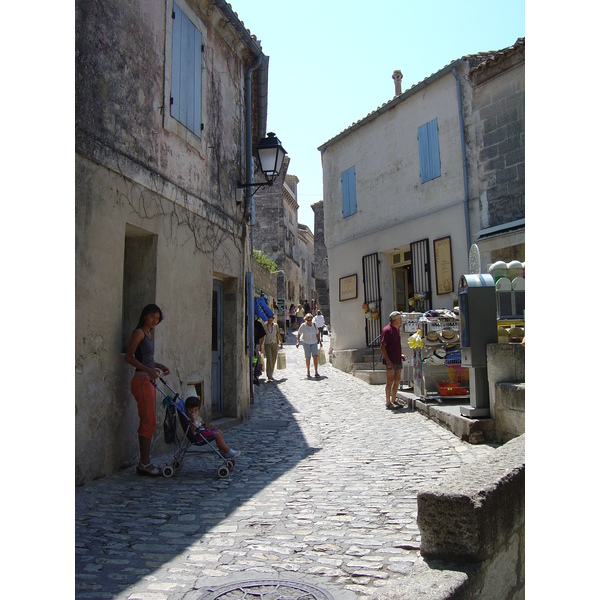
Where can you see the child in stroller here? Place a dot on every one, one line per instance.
(196, 434)
(199, 432)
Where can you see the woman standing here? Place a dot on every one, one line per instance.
(140, 354)
(299, 316)
(310, 340)
(272, 340)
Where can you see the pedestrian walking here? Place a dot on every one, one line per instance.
(259, 338)
(272, 342)
(299, 316)
(140, 354)
(391, 350)
(320, 322)
(310, 340)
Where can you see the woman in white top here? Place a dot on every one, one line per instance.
(272, 339)
(319, 321)
(310, 340)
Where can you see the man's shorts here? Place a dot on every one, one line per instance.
(396, 367)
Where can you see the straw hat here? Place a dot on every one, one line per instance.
(432, 339)
(448, 336)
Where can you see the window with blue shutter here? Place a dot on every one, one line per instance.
(349, 192)
(186, 72)
(429, 151)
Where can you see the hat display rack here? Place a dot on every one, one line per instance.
(439, 358)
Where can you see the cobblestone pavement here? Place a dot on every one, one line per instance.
(325, 492)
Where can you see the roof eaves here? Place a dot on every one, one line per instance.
(232, 17)
(503, 229)
(479, 62)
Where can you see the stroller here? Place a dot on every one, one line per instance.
(192, 435)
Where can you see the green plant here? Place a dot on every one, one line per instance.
(266, 261)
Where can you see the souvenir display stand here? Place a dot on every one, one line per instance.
(438, 373)
(509, 280)
(410, 324)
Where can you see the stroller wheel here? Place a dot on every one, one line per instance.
(168, 471)
(230, 465)
(223, 471)
(177, 464)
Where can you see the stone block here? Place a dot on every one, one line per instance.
(474, 513)
(509, 410)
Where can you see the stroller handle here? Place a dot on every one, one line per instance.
(165, 384)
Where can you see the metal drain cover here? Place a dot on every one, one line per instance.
(267, 589)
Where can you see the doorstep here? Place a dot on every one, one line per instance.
(448, 414)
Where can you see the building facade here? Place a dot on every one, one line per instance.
(163, 136)
(321, 262)
(498, 121)
(307, 293)
(407, 188)
(277, 233)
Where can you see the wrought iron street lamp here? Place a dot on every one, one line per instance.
(270, 158)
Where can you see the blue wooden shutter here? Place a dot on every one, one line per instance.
(349, 192)
(429, 151)
(186, 72)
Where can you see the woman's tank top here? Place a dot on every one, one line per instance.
(271, 336)
(145, 352)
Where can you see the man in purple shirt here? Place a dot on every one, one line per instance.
(391, 350)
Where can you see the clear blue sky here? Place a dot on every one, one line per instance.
(331, 62)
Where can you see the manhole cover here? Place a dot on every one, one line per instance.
(267, 589)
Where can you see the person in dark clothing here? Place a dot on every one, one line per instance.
(391, 350)
(259, 336)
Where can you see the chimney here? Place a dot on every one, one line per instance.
(397, 77)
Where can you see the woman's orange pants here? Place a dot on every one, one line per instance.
(145, 396)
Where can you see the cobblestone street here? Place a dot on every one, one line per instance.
(325, 492)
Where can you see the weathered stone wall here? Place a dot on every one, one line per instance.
(264, 280)
(321, 265)
(499, 118)
(306, 257)
(506, 377)
(276, 233)
(474, 520)
(136, 178)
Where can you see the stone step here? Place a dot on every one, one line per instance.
(368, 358)
(367, 366)
(371, 377)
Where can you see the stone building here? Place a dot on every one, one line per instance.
(498, 123)
(306, 257)
(444, 169)
(162, 137)
(321, 262)
(278, 234)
